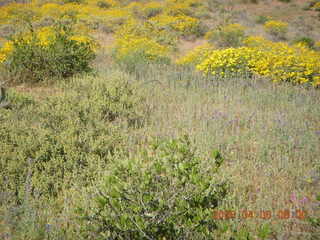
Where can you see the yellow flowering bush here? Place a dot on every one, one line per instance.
(277, 29)
(151, 9)
(181, 24)
(103, 3)
(147, 29)
(197, 55)
(174, 8)
(316, 6)
(133, 45)
(227, 61)
(230, 35)
(145, 10)
(137, 43)
(181, 7)
(55, 51)
(278, 61)
(14, 12)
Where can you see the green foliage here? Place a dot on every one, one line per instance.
(166, 192)
(33, 61)
(66, 138)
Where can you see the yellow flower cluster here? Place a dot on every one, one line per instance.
(5, 51)
(46, 36)
(276, 28)
(81, 39)
(277, 61)
(197, 55)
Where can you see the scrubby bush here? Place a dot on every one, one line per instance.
(152, 9)
(103, 4)
(134, 51)
(145, 10)
(50, 52)
(181, 24)
(309, 42)
(64, 139)
(74, 1)
(277, 29)
(166, 192)
(138, 44)
(230, 35)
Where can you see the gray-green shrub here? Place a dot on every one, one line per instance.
(65, 138)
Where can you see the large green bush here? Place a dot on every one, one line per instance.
(48, 145)
(166, 192)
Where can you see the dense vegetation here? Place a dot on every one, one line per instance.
(169, 119)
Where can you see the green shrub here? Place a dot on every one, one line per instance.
(166, 192)
(66, 138)
(51, 52)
